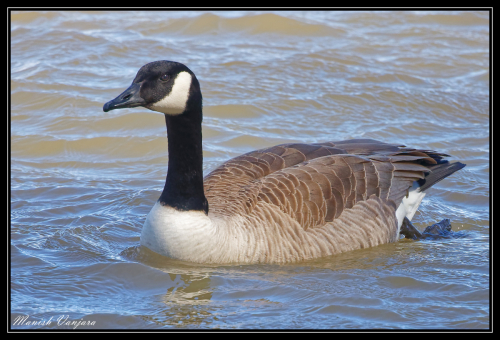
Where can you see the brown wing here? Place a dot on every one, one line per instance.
(315, 183)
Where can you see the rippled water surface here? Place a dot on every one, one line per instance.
(83, 181)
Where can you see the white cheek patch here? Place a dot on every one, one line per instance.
(175, 102)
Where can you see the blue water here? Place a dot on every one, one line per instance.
(83, 181)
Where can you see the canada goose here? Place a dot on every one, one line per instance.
(284, 203)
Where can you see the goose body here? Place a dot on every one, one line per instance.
(285, 203)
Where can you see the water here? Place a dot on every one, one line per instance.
(83, 181)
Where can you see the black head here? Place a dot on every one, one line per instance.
(164, 86)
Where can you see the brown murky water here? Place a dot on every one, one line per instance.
(82, 181)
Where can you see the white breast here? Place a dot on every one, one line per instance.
(195, 237)
(177, 234)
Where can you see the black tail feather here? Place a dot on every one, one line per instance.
(438, 173)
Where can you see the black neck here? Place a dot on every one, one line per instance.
(184, 185)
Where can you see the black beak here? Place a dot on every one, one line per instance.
(129, 98)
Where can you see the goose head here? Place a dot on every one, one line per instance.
(172, 89)
(164, 86)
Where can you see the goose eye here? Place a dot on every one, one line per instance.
(165, 77)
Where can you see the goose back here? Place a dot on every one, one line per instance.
(315, 183)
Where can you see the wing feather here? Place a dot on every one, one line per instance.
(315, 183)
